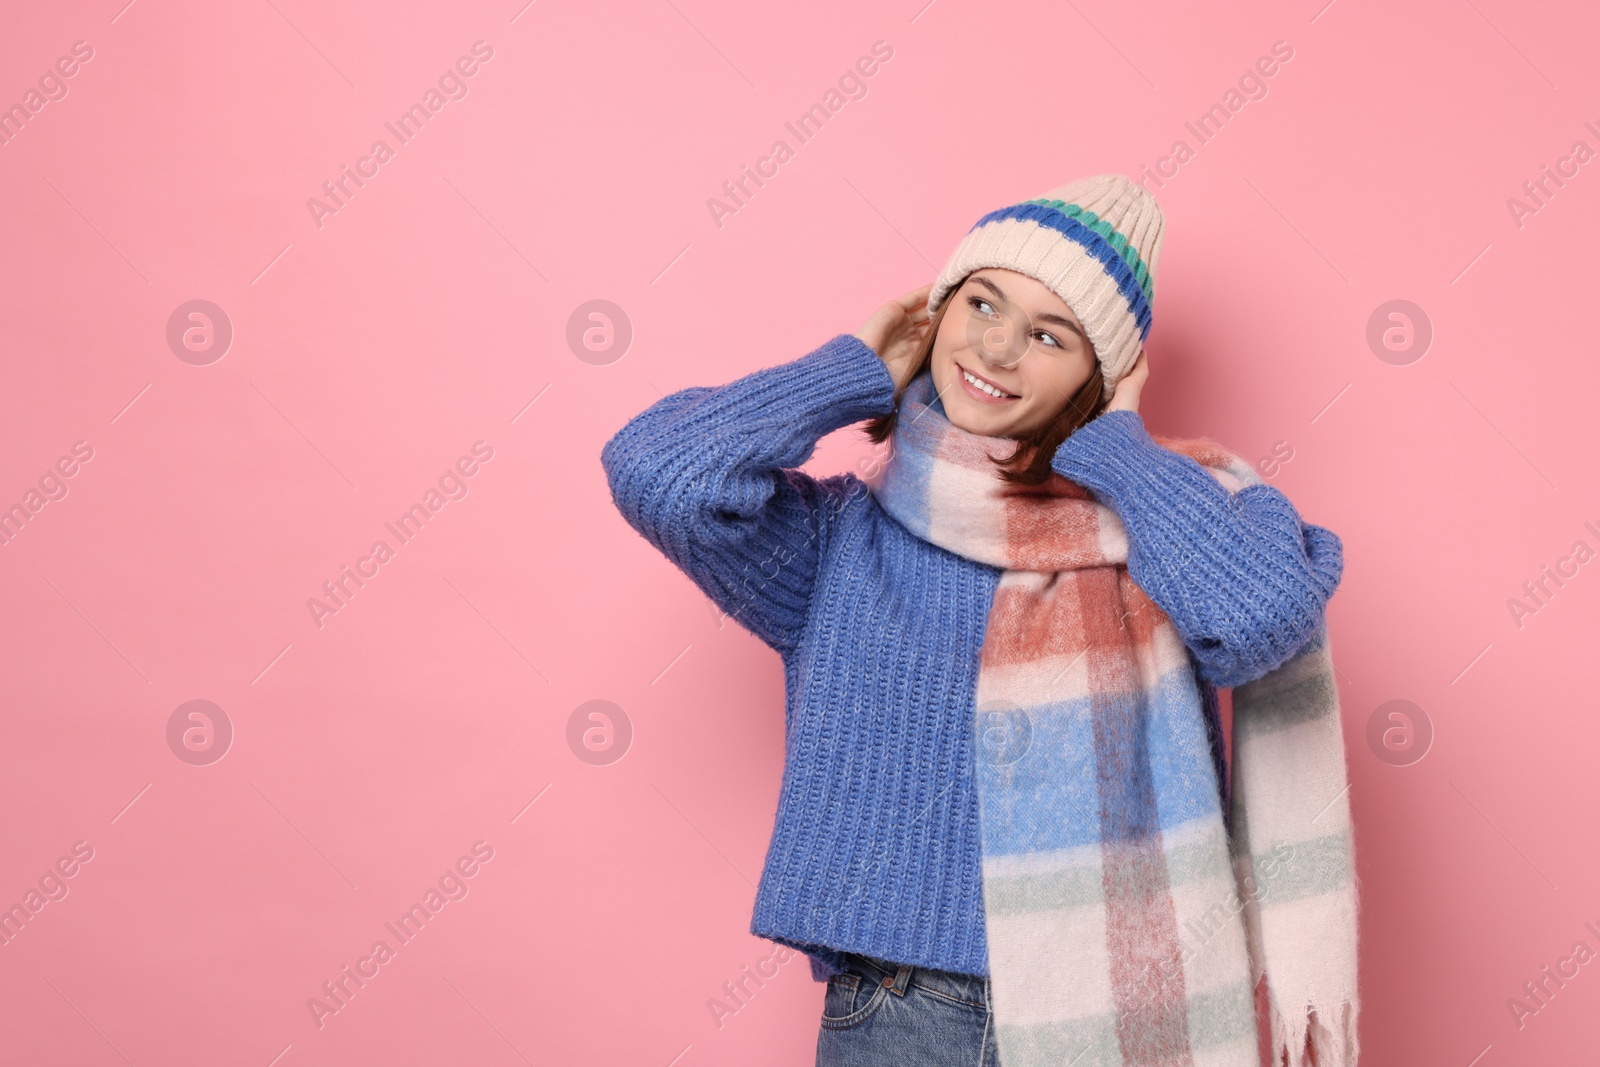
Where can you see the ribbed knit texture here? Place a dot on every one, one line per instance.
(1095, 241)
(1245, 599)
(876, 846)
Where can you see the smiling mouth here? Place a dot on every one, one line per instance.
(983, 389)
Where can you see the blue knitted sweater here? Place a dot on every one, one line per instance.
(875, 847)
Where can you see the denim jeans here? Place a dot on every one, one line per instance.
(881, 1013)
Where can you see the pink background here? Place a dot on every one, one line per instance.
(371, 352)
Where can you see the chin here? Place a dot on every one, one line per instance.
(983, 422)
(970, 414)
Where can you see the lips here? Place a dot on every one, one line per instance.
(979, 394)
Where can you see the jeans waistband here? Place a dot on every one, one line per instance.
(971, 988)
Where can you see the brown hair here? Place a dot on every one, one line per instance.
(1029, 462)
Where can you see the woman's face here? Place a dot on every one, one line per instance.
(1012, 332)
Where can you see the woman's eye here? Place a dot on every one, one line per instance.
(978, 303)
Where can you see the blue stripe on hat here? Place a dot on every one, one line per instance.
(1120, 259)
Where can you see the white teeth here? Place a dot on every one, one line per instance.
(985, 386)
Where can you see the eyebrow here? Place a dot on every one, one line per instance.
(1046, 317)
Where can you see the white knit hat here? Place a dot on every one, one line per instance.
(1094, 241)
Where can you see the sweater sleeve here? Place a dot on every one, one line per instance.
(1244, 580)
(706, 476)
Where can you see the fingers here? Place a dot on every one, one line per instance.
(916, 297)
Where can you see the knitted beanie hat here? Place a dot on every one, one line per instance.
(1094, 241)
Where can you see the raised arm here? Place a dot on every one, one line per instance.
(1244, 580)
(707, 476)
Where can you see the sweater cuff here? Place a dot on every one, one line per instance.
(1106, 453)
(831, 387)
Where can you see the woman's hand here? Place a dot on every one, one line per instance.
(896, 332)
(1126, 395)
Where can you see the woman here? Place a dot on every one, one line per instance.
(1005, 824)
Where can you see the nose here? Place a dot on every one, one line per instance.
(1001, 343)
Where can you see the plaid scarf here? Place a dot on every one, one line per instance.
(1128, 923)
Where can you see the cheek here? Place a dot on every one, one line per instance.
(1048, 380)
(953, 332)
(1066, 372)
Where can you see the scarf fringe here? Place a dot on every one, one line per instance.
(1333, 1046)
